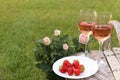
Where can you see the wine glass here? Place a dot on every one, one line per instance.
(102, 30)
(86, 22)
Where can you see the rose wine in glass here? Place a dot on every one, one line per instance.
(102, 30)
(85, 27)
(85, 24)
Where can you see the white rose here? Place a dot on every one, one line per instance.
(46, 41)
(83, 38)
(57, 32)
(65, 46)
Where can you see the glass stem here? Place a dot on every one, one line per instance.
(100, 47)
(86, 50)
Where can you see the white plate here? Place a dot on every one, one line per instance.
(91, 67)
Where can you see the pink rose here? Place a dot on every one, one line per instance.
(57, 32)
(83, 38)
(46, 41)
(65, 46)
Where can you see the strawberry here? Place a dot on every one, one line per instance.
(67, 63)
(82, 68)
(62, 69)
(77, 72)
(78, 67)
(76, 63)
(75, 67)
(70, 71)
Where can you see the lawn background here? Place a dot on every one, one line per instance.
(22, 21)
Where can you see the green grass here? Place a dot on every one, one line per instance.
(22, 21)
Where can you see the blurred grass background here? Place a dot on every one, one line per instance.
(22, 21)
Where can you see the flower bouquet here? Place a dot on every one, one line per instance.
(47, 51)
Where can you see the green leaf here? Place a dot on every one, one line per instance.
(52, 76)
(65, 37)
(44, 67)
(75, 41)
